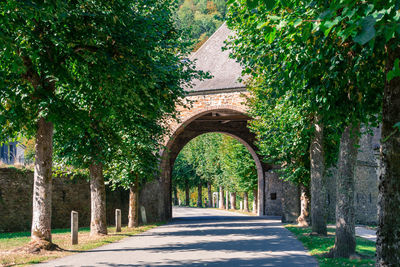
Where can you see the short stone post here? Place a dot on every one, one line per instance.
(143, 213)
(74, 227)
(241, 205)
(117, 220)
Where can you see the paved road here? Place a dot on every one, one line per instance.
(201, 237)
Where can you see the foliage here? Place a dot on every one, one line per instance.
(299, 72)
(29, 153)
(218, 159)
(201, 18)
(238, 165)
(318, 246)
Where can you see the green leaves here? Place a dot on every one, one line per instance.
(395, 72)
(218, 159)
(367, 31)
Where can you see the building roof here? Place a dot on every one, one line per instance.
(210, 58)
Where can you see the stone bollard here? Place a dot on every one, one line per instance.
(143, 213)
(241, 205)
(74, 227)
(117, 220)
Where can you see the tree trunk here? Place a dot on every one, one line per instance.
(227, 200)
(210, 199)
(318, 190)
(176, 202)
(345, 240)
(245, 202)
(199, 195)
(187, 194)
(388, 234)
(255, 201)
(98, 223)
(233, 200)
(133, 206)
(42, 186)
(303, 219)
(221, 198)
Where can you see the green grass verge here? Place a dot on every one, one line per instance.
(61, 237)
(318, 246)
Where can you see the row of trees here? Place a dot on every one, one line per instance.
(93, 82)
(320, 71)
(215, 161)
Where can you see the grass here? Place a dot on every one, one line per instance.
(61, 237)
(318, 246)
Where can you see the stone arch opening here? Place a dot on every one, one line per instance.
(229, 120)
(249, 148)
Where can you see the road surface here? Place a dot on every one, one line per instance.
(201, 237)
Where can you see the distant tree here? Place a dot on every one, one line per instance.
(200, 18)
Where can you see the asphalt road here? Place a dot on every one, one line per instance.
(201, 237)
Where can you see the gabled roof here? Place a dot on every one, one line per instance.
(210, 57)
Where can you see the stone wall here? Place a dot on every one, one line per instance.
(273, 194)
(16, 187)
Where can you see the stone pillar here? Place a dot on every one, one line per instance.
(117, 220)
(74, 227)
(260, 193)
(241, 205)
(290, 202)
(143, 214)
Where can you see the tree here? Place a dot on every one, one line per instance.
(142, 85)
(51, 78)
(374, 26)
(201, 18)
(36, 46)
(135, 164)
(323, 76)
(239, 167)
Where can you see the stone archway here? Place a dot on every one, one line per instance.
(216, 105)
(227, 119)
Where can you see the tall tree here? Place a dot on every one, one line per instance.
(288, 32)
(374, 27)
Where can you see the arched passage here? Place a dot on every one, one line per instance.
(212, 144)
(228, 120)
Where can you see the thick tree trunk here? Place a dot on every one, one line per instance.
(187, 194)
(176, 201)
(199, 195)
(210, 199)
(98, 223)
(388, 234)
(233, 200)
(318, 190)
(133, 217)
(255, 201)
(42, 186)
(303, 219)
(221, 198)
(345, 240)
(227, 200)
(245, 202)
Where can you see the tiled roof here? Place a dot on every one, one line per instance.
(210, 57)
